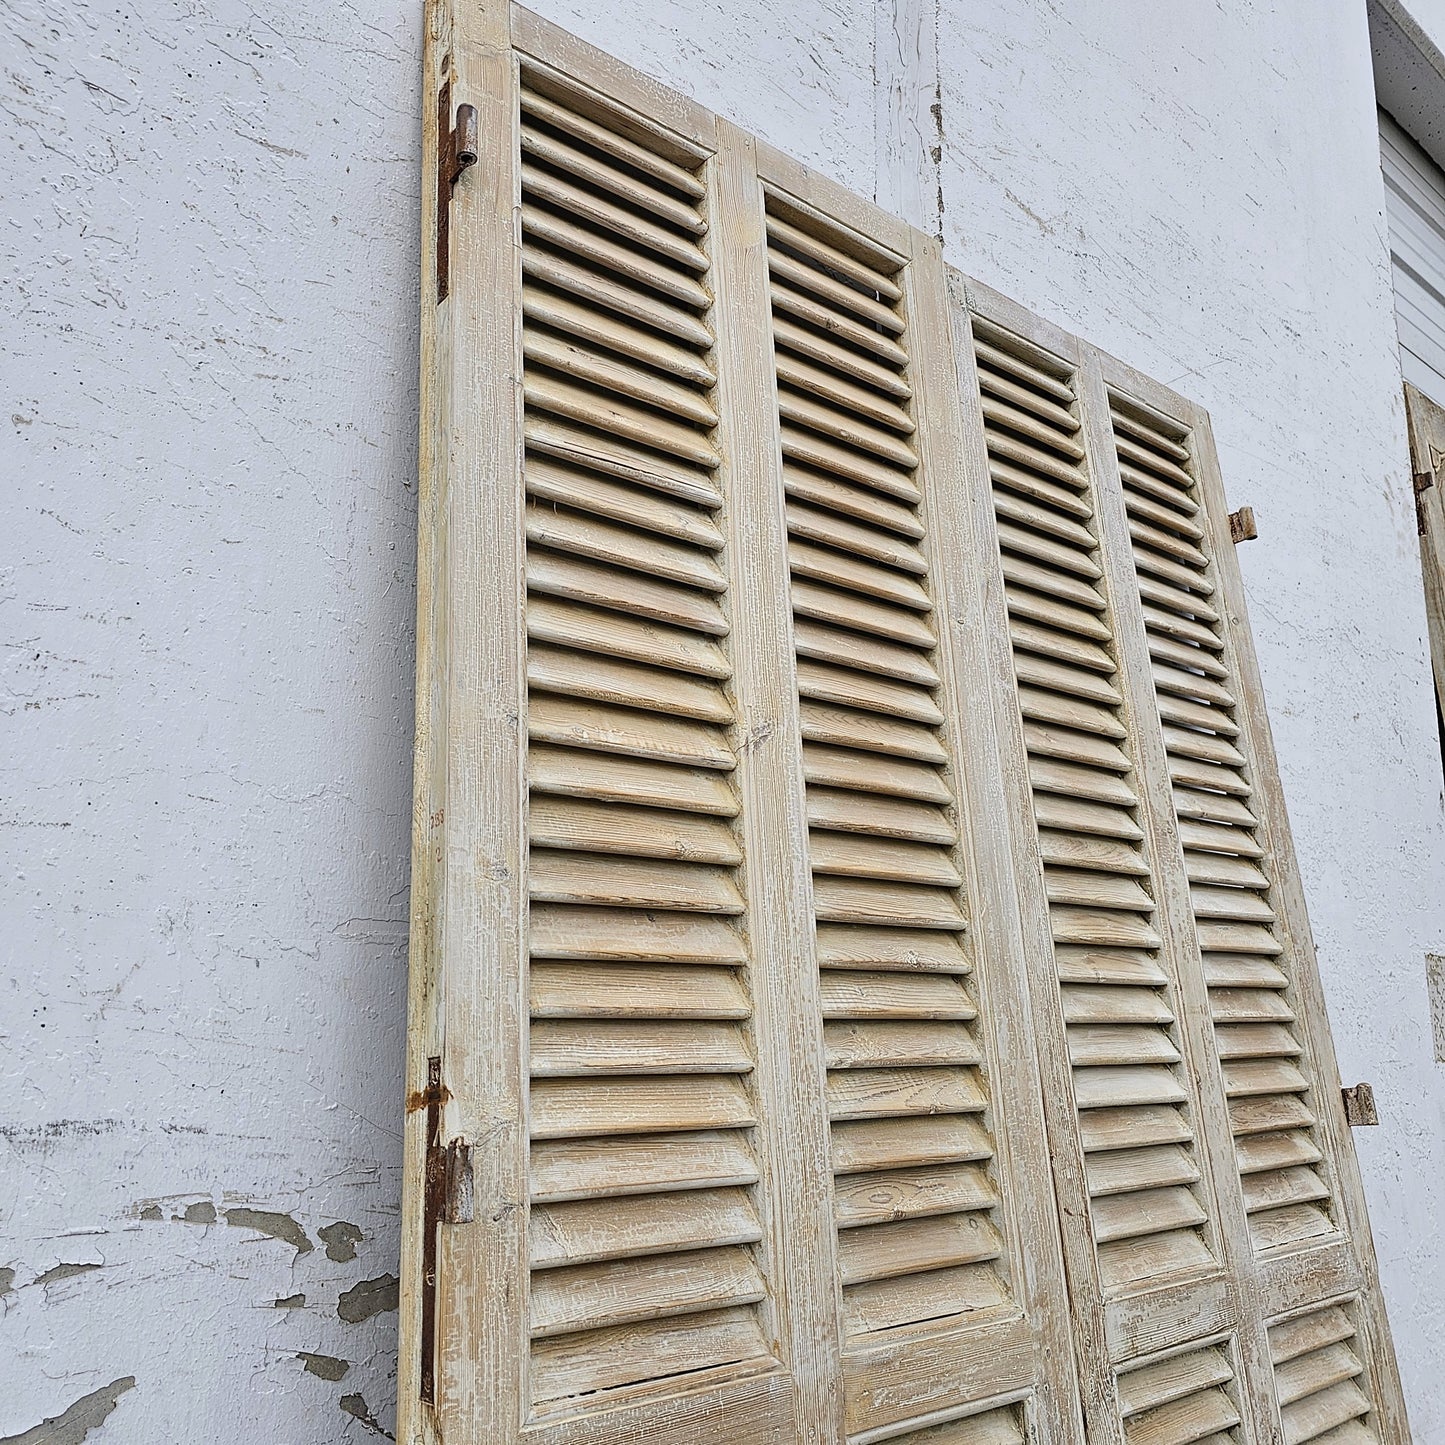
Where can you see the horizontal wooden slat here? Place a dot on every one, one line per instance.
(1128, 1084)
(885, 1304)
(879, 1198)
(818, 346)
(864, 614)
(1172, 1379)
(580, 1364)
(555, 481)
(578, 201)
(602, 369)
(614, 679)
(837, 899)
(568, 877)
(1108, 1128)
(563, 989)
(1148, 1211)
(600, 137)
(578, 823)
(873, 773)
(1124, 1171)
(820, 252)
(896, 1043)
(861, 856)
(604, 176)
(562, 1048)
(589, 1296)
(884, 1251)
(598, 1168)
(593, 584)
(560, 931)
(587, 1231)
(624, 547)
(825, 682)
(1094, 1003)
(850, 728)
(860, 994)
(614, 778)
(555, 718)
(1093, 1045)
(854, 812)
(633, 639)
(844, 570)
(864, 1146)
(568, 1109)
(560, 439)
(801, 306)
(886, 1093)
(913, 950)
(860, 504)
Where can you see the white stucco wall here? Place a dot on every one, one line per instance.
(209, 334)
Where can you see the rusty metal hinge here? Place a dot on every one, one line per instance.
(447, 1199)
(1360, 1105)
(1242, 527)
(456, 150)
(1423, 482)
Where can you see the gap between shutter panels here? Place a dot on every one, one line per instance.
(1115, 988)
(914, 1194)
(1243, 954)
(644, 1228)
(1318, 1377)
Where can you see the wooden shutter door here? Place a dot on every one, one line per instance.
(860, 989)
(1427, 450)
(1220, 1264)
(716, 971)
(949, 1280)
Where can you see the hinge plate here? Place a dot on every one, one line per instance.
(1360, 1105)
(1242, 526)
(456, 150)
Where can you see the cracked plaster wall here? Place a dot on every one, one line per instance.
(209, 332)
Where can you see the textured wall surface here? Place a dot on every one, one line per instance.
(208, 300)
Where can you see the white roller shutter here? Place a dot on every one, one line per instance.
(1415, 209)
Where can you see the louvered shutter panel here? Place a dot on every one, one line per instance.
(1206, 1180)
(703, 824)
(829, 857)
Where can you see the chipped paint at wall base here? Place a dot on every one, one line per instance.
(209, 319)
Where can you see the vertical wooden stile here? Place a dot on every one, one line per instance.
(471, 813)
(791, 1073)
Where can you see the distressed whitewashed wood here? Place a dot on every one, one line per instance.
(1427, 453)
(834, 1027)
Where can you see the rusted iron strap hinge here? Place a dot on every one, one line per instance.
(1242, 526)
(1360, 1105)
(447, 1199)
(456, 150)
(1423, 482)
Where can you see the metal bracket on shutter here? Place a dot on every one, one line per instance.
(1423, 482)
(447, 1199)
(1360, 1105)
(456, 150)
(1242, 527)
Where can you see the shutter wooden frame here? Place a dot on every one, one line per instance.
(1048, 1362)
(1426, 422)
(468, 1007)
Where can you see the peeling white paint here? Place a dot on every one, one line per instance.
(206, 593)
